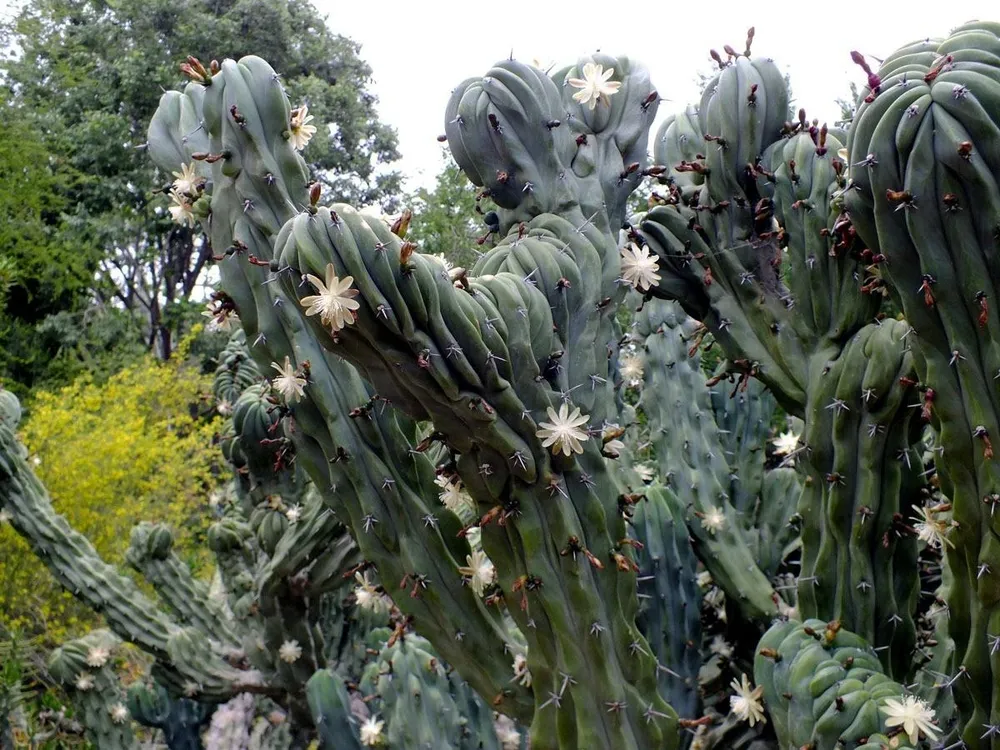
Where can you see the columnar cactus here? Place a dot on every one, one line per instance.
(752, 240)
(923, 194)
(692, 460)
(670, 597)
(500, 362)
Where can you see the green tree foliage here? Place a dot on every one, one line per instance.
(45, 268)
(89, 73)
(443, 217)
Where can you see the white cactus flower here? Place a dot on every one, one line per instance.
(84, 681)
(713, 520)
(290, 652)
(97, 657)
(595, 85)
(369, 598)
(119, 714)
(479, 570)
(186, 181)
(632, 370)
(453, 496)
(288, 383)
(300, 132)
(563, 433)
(747, 703)
(294, 513)
(932, 530)
(335, 302)
(371, 732)
(913, 715)
(785, 443)
(181, 210)
(521, 674)
(645, 472)
(639, 268)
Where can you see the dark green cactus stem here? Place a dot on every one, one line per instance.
(669, 596)
(692, 459)
(744, 421)
(824, 685)
(484, 362)
(423, 704)
(924, 192)
(863, 483)
(358, 450)
(785, 287)
(183, 654)
(181, 720)
(84, 669)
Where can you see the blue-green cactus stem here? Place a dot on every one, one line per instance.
(84, 668)
(180, 719)
(670, 597)
(184, 655)
(691, 456)
(422, 704)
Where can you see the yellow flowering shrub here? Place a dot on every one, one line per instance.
(134, 448)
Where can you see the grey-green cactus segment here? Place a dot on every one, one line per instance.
(485, 362)
(84, 668)
(859, 563)
(422, 703)
(669, 596)
(521, 135)
(824, 685)
(924, 193)
(183, 656)
(342, 424)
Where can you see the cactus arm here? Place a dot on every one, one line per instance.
(670, 597)
(75, 564)
(180, 719)
(95, 690)
(330, 706)
(365, 467)
(824, 685)
(858, 565)
(506, 406)
(927, 198)
(692, 457)
(150, 552)
(422, 705)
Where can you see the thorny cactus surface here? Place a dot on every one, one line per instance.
(923, 193)
(491, 359)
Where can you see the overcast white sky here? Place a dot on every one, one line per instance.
(419, 50)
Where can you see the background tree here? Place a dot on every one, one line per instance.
(85, 81)
(444, 217)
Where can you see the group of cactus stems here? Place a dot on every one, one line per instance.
(615, 535)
